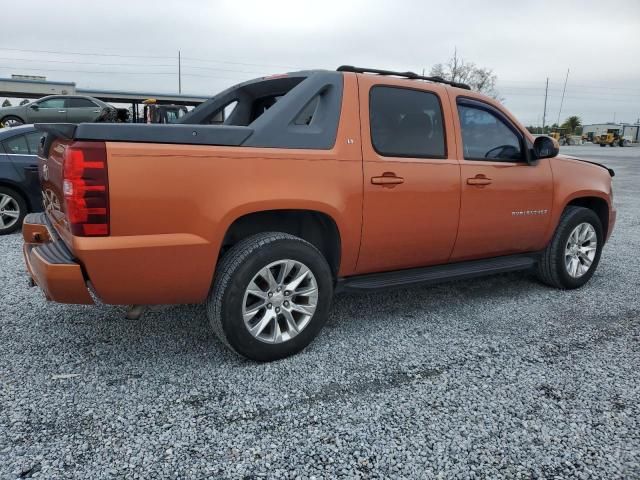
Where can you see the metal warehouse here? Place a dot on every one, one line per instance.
(627, 130)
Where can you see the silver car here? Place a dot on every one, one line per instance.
(54, 109)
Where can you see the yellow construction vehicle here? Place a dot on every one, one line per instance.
(561, 135)
(155, 113)
(611, 138)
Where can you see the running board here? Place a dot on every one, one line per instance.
(436, 274)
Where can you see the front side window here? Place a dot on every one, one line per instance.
(16, 145)
(52, 103)
(487, 137)
(406, 123)
(80, 103)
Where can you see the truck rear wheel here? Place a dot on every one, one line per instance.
(572, 256)
(271, 296)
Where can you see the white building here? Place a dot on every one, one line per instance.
(631, 132)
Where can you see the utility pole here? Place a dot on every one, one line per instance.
(544, 114)
(562, 100)
(179, 73)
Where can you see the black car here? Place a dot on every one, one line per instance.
(19, 183)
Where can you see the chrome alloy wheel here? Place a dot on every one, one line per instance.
(9, 211)
(580, 250)
(12, 122)
(280, 301)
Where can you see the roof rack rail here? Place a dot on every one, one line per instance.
(410, 75)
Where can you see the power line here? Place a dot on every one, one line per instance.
(544, 115)
(249, 64)
(167, 57)
(562, 100)
(502, 81)
(137, 65)
(506, 90)
(241, 63)
(574, 97)
(558, 90)
(111, 72)
(75, 62)
(84, 53)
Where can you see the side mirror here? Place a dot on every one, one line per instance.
(545, 147)
(34, 107)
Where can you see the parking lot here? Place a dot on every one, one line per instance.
(493, 378)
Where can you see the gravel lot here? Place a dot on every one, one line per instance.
(494, 378)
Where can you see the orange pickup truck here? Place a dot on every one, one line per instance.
(275, 194)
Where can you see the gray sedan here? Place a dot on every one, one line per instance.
(54, 109)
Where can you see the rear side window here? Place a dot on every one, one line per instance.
(33, 140)
(487, 137)
(308, 112)
(16, 145)
(80, 103)
(406, 123)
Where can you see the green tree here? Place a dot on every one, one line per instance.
(6, 103)
(572, 124)
(24, 102)
(478, 78)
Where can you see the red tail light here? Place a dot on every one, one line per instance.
(86, 189)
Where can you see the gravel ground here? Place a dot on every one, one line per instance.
(493, 378)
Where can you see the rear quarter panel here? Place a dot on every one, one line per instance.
(171, 206)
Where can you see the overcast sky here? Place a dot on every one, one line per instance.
(133, 45)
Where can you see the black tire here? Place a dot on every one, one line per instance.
(22, 206)
(234, 273)
(16, 120)
(551, 268)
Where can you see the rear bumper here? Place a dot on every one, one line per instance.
(50, 263)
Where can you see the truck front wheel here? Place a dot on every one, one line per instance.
(572, 256)
(271, 296)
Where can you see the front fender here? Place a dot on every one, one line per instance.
(574, 180)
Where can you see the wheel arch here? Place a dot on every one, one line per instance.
(598, 205)
(19, 117)
(317, 227)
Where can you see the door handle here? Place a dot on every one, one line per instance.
(62, 111)
(478, 180)
(388, 179)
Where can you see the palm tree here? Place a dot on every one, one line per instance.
(572, 123)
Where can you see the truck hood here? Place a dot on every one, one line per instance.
(570, 157)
